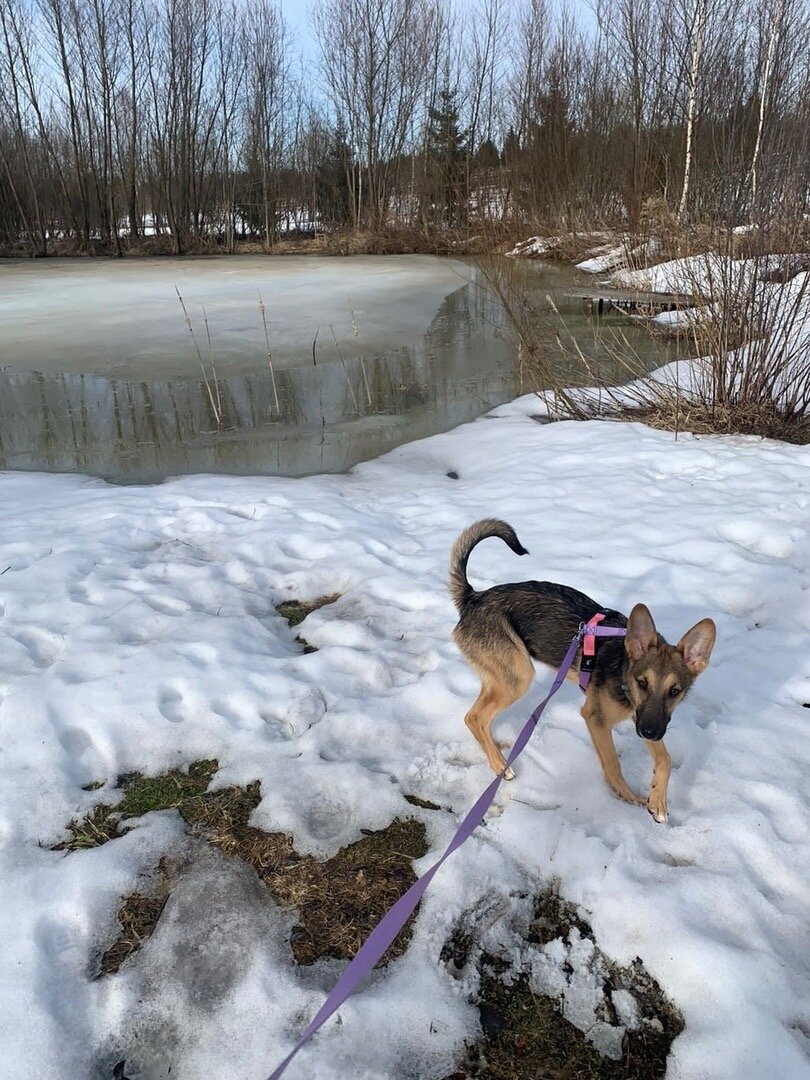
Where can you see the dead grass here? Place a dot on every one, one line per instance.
(397, 241)
(526, 1037)
(339, 900)
(760, 420)
(392, 240)
(138, 916)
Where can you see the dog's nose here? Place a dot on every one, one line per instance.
(647, 731)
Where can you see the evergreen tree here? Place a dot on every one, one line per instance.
(511, 149)
(333, 192)
(487, 156)
(448, 153)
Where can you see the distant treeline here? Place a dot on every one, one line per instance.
(131, 124)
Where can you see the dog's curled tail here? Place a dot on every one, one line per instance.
(460, 589)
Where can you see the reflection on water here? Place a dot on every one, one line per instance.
(333, 412)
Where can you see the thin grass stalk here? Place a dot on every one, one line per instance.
(269, 356)
(345, 370)
(356, 335)
(189, 326)
(213, 364)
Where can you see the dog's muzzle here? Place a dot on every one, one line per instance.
(648, 731)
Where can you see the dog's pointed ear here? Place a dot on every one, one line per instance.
(696, 646)
(641, 632)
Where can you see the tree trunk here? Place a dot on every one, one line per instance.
(694, 74)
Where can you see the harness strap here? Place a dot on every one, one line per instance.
(588, 659)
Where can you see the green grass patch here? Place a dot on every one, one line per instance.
(295, 611)
(172, 790)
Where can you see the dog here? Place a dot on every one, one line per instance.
(502, 630)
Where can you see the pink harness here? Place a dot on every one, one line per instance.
(588, 659)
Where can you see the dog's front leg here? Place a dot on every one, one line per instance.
(662, 767)
(600, 728)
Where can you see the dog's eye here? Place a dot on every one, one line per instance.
(642, 683)
(674, 691)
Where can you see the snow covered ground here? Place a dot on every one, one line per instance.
(709, 274)
(139, 631)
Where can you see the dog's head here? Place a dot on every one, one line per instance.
(658, 675)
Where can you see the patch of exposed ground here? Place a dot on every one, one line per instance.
(551, 1004)
(295, 611)
(138, 916)
(339, 900)
(531, 1032)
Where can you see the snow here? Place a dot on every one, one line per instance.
(708, 274)
(139, 631)
(679, 320)
(615, 257)
(784, 311)
(534, 247)
(693, 274)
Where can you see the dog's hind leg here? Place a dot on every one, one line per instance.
(601, 717)
(503, 680)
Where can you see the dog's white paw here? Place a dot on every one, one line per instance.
(658, 812)
(508, 774)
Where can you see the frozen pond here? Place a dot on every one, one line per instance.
(124, 318)
(99, 372)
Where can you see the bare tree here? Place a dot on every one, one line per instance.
(697, 33)
(375, 55)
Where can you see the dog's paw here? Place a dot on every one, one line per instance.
(658, 809)
(627, 795)
(508, 773)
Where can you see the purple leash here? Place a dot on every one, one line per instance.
(395, 918)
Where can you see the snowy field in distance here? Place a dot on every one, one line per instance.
(139, 631)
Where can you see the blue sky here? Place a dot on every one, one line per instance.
(296, 12)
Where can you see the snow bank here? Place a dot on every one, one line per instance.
(139, 631)
(707, 275)
(538, 246)
(679, 319)
(611, 259)
(618, 256)
(534, 247)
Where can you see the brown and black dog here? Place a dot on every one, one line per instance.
(503, 629)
